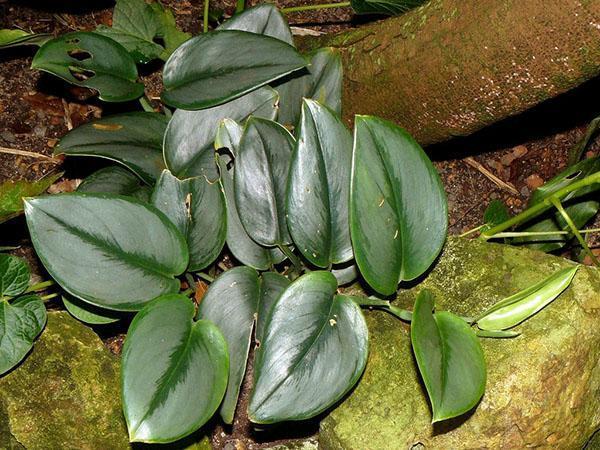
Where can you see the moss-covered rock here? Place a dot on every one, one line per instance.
(543, 388)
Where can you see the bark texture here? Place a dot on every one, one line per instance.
(452, 67)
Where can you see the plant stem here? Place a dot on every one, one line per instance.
(146, 104)
(293, 258)
(45, 298)
(374, 302)
(314, 7)
(39, 286)
(187, 292)
(240, 6)
(205, 17)
(472, 230)
(205, 277)
(513, 234)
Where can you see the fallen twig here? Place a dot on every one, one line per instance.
(489, 175)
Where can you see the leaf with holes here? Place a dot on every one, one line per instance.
(111, 251)
(13, 192)
(14, 275)
(93, 61)
(386, 7)
(173, 381)
(319, 185)
(398, 210)
(260, 180)
(197, 208)
(314, 349)
(198, 75)
(188, 144)
(116, 180)
(171, 35)
(449, 358)
(20, 323)
(16, 37)
(90, 314)
(132, 139)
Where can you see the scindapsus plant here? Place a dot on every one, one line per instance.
(257, 159)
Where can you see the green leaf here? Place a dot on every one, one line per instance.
(188, 145)
(398, 210)
(345, 274)
(386, 7)
(111, 251)
(14, 38)
(449, 358)
(115, 180)
(89, 313)
(93, 61)
(239, 62)
(264, 19)
(20, 323)
(172, 36)
(495, 213)
(173, 380)
(12, 193)
(271, 287)
(313, 351)
(260, 180)
(319, 185)
(132, 139)
(14, 275)
(197, 208)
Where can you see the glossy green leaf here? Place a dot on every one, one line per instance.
(171, 35)
(264, 19)
(16, 37)
(386, 7)
(398, 209)
(173, 373)
(449, 358)
(20, 323)
(220, 66)
(111, 251)
(115, 180)
(314, 349)
(319, 185)
(132, 139)
(90, 314)
(260, 180)
(271, 287)
(14, 275)
(91, 60)
(13, 192)
(345, 274)
(188, 145)
(495, 213)
(197, 208)
(515, 309)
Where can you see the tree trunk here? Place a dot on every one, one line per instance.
(452, 67)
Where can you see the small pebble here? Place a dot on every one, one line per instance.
(534, 181)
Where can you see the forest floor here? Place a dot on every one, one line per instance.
(36, 109)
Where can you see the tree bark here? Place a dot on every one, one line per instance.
(452, 67)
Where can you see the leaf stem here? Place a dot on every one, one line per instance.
(205, 277)
(512, 234)
(187, 292)
(374, 302)
(205, 17)
(472, 230)
(146, 104)
(45, 298)
(314, 7)
(39, 286)
(291, 256)
(240, 6)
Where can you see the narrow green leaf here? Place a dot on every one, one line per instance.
(188, 145)
(497, 334)
(172, 381)
(91, 60)
(89, 313)
(449, 358)
(314, 349)
(385, 7)
(16, 37)
(194, 81)
(197, 208)
(13, 192)
(132, 139)
(318, 187)
(115, 180)
(264, 19)
(14, 275)
(111, 251)
(260, 181)
(398, 209)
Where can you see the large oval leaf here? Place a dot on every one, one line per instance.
(190, 135)
(398, 210)
(314, 350)
(132, 139)
(260, 180)
(91, 60)
(319, 186)
(174, 371)
(116, 180)
(261, 19)
(449, 357)
(216, 67)
(20, 323)
(197, 208)
(111, 251)
(14, 275)
(90, 314)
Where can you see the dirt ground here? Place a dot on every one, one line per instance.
(37, 109)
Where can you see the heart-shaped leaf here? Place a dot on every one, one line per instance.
(20, 323)
(197, 208)
(132, 139)
(265, 19)
(91, 60)
(398, 210)
(90, 314)
(14, 275)
(198, 75)
(386, 7)
(115, 180)
(174, 371)
(188, 145)
(319, 186)
(16, 37)
(111, 251)
(260, 180)
(314, 349)
(449, 357)
(12, 193)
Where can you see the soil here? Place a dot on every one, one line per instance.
(36, 109)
